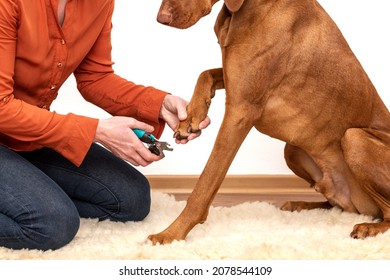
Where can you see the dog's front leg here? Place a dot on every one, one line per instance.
(208, 82)
(235, 126)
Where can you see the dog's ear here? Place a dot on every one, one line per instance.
(233, 5)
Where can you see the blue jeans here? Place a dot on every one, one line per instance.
(43, 195)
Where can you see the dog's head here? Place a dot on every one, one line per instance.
(185, 13)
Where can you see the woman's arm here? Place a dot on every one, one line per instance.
(98, 84)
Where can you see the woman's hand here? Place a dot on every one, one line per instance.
(116, 134)
(174, 110)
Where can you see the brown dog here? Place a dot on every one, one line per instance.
(289, 73)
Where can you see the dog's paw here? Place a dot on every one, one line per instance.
(304, 205)
(292, 206)
(161, 239)
(185, 128)
(364, 230)
(196, 112)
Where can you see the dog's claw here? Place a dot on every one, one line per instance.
(180, 136)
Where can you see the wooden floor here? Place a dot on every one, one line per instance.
(231, 199)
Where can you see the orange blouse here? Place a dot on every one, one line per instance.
(37, 55)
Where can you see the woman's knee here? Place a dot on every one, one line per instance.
(37, 214)
(55, 229)
(135, 201)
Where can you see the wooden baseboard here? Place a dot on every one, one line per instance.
(233, 183)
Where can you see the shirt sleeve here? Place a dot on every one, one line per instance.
(98, 84)
(24, 126)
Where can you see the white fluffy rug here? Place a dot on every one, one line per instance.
(247, 231)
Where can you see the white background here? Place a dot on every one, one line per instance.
(109, 269)
(148, 53)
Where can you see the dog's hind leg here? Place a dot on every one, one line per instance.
(305, 167)
(367, 153)
(302, 164)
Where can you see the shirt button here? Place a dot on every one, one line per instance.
(5, 99)
(53, 87)
(59, 65)
(44, 107)
(62, 42)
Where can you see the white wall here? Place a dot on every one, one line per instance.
(148, 53)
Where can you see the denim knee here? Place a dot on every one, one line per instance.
(136, 201)
(63, 230)
(55, 229)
